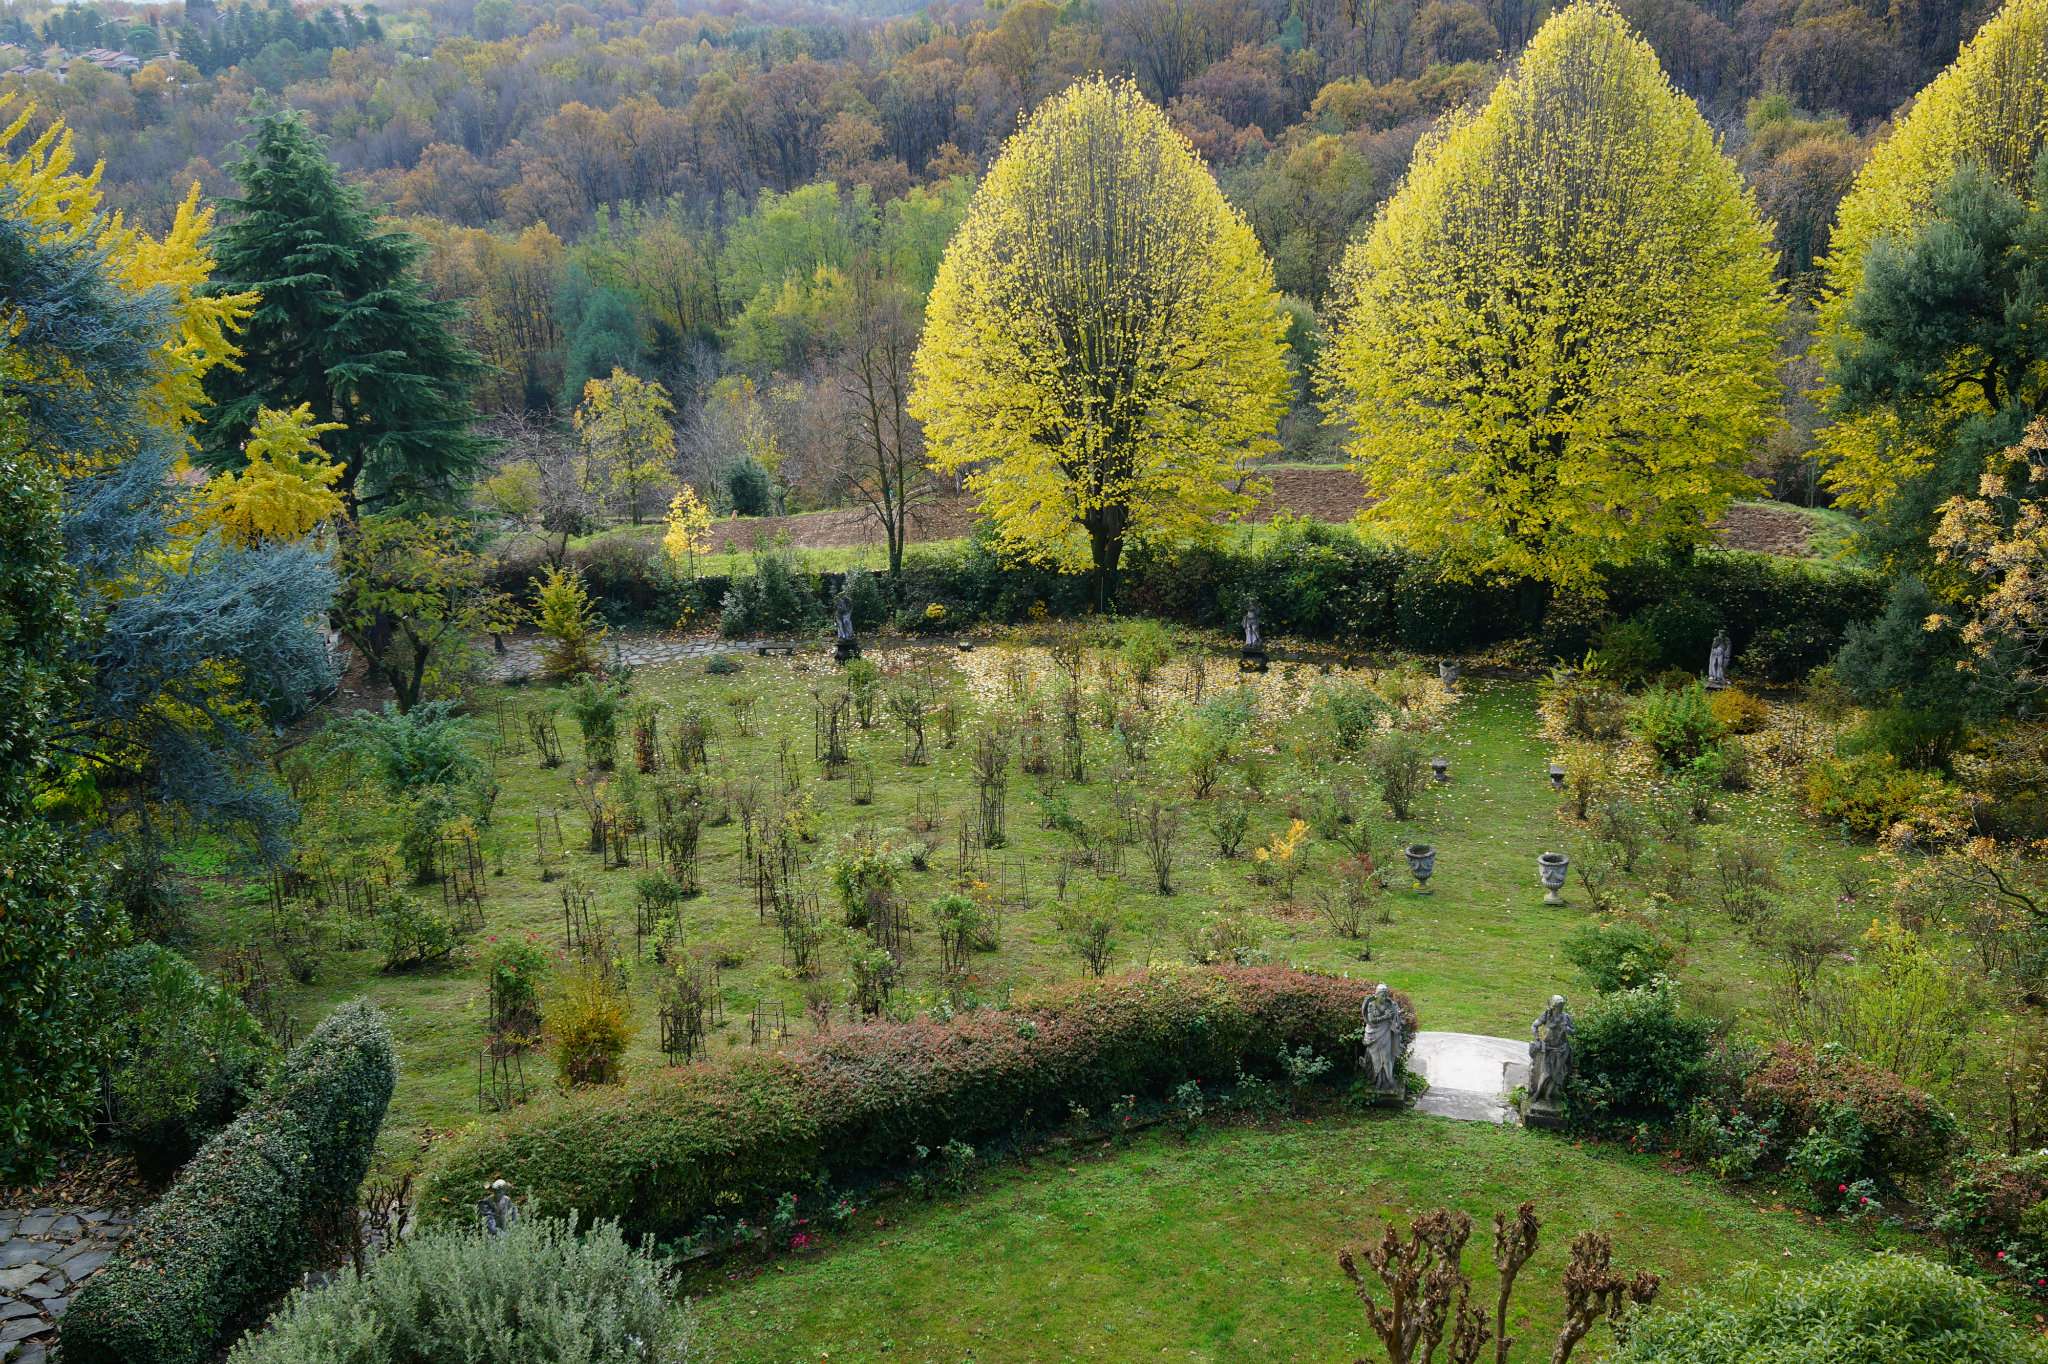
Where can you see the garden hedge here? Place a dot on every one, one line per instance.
(239, 1223)
(663, 1152)
(1316, 582)
(1902, 1130)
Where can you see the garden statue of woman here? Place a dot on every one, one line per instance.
(1383, 1040)
(496, 1212)
(1717, 661)
(1550, 1055)
(1251, 627)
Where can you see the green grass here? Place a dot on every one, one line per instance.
(1481, 953)
(1225, 1248)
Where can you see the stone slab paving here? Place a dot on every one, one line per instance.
(45, 1254)
(1470, 1075)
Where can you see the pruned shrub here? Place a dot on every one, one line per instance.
(1883, 1128)
(662, 1153)
(183, 1055)
(235, 1229)
(1738, 711)
(538, 1292)
(1897, 1308)
(1641, 1057)
(1618, 955)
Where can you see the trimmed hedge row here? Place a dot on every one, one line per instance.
(1320, 582)
(661, 1154)
(238, 1224)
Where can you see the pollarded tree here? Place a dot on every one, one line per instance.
(1987, 114)
(1103, 349)
(1554, 349)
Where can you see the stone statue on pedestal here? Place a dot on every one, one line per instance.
(1383, 1042)
(1717, 661)
(1550, 1065)
(845, 648)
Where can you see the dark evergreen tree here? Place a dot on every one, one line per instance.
(345, 324)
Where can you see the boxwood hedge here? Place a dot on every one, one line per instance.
(662, 1153)
(238, 1224)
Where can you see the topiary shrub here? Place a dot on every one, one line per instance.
(1893, 1308)
(538, 1292)
(235, 1229)
(662, 1153)
(1641, 1057)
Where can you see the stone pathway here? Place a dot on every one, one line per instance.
(45, 1253)
(522, 654)
(1470, 1075)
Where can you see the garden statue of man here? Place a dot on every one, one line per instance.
(1383, 1040)
(845, 648)
(497, 1212)
(1550, 1064)
(1717, 661)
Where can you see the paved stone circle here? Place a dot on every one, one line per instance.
(45, 1254)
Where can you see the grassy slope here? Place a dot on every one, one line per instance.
(1480, 954)
(1225, 1248)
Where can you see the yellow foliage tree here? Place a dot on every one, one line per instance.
(628, 441)
(1103, 347)
(689, 528)
(46, 189)
(1554, 349)
(285, 490)
(1989, 109)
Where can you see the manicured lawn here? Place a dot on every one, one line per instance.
(1481, 953)
(1225, 1248)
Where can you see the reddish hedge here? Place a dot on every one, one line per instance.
(665, 1151)
(1910, 1133)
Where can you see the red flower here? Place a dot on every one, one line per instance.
(1841, 1188)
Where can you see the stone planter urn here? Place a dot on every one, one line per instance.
(1442, 768)
(1557, 776)
(1553, 868)
(1421, 864)
(1447, 672)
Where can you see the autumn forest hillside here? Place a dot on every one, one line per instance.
(685, 190)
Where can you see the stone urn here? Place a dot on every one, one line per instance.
(1421, 864)
(1557, 776)
(1447, 672)
(1442, 768)
(1553, 868)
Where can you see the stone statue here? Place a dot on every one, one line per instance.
(845, 647)
(1383, 1042)
(1717, 661)
(497, 1213)
(1252, 641)
(1550, 1058)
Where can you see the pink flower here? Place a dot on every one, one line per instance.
(1841, 1188)
(2001, 1255)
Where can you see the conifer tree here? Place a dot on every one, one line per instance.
(1555, 347)
(344, 325)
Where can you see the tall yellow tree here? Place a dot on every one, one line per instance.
(1103, 349)
(628, 441)
(1988, 110)
(1554, 349)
